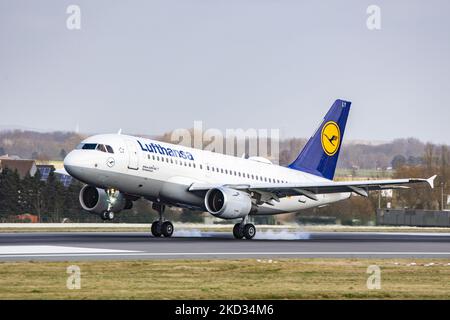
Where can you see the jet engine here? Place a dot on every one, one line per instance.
(228, 203)
(98, 200)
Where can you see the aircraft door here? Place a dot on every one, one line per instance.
(133, 156)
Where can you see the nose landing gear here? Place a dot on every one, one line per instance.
(161, 227)
(107, 215)
(111, 199)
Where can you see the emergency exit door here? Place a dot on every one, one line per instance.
(133, 156)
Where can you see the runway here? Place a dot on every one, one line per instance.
(62, 246)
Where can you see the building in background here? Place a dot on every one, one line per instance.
(23, 167)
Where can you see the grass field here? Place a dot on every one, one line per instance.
(228, 279)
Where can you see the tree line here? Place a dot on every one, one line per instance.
(51, 201)
(362, 155)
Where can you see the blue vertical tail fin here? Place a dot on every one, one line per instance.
(320, 154)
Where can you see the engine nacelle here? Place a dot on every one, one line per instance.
(228, 203)
(96, 200)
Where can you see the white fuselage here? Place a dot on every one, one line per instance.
(163, 172)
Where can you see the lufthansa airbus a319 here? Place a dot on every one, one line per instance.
(119, 169)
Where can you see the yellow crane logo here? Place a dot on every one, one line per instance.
(331, 138)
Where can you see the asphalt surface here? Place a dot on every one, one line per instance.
(208, 245)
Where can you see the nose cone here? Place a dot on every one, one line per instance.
(70, 160)
(74, 164)
(73, 159)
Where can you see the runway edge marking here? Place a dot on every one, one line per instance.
(168, 254)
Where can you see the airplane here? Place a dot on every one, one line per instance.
(118, 169)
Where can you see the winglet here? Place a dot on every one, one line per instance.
(431, 181)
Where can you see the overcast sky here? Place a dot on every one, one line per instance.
(152, 66)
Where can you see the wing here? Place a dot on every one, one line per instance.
(270, 191)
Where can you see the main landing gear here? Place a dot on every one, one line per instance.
(161, 227)
(244, 230)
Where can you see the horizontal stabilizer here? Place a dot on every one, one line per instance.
(62, 171)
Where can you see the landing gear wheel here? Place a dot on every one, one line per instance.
(249, 231)
(238, 231)
(167, 229)
(156, 229)
(107, 215)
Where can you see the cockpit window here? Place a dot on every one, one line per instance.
(101, 147)
(89, 146)
(95, 146)
(110, 150)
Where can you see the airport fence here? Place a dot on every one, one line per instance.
(413, 217)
